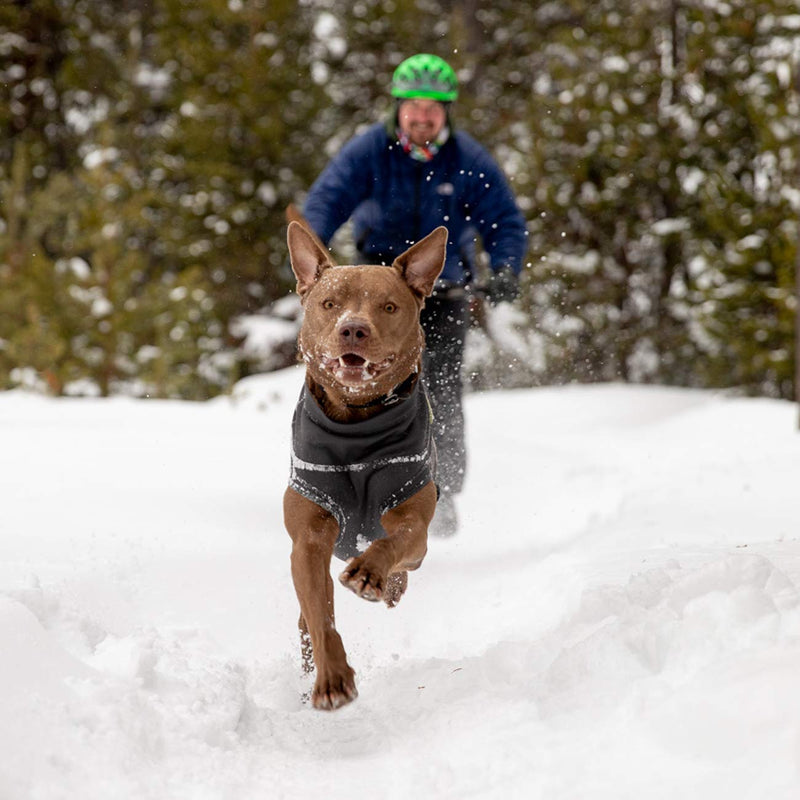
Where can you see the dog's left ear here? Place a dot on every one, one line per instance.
(308, 257)
(421, 264)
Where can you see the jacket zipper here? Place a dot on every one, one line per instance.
(417, 205)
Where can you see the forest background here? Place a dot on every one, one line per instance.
(150, 147)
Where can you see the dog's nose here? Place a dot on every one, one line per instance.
(354, 331)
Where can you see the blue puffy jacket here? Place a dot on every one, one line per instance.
(395, 200)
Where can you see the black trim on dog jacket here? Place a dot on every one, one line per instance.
(359, 470)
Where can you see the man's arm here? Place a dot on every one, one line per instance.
(340, 187)
(491, 206)
(495, 214)
(497, 217)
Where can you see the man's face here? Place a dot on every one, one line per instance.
(421, 120)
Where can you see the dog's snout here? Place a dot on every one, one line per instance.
(354, 331)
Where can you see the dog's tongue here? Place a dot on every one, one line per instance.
(352, 360)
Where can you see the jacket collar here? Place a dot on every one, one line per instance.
(400, 392)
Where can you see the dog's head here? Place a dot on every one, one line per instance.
(361, 335)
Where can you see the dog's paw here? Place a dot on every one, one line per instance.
(335, 691)
(358, 578)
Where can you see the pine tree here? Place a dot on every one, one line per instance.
(664, 232)
(157, 160)
(150, 147)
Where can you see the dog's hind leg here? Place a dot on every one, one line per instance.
(306, 650)
(396, 585)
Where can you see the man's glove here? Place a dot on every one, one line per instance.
(503, 286)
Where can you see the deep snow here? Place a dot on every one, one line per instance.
(618, 618)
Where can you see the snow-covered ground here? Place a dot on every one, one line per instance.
(618, 618)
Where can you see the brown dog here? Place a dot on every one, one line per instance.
(361, 484)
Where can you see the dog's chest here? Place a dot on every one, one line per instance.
(358, 471)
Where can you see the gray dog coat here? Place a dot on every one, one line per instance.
(360, 470)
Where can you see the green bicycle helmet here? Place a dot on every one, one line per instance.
(425, 76)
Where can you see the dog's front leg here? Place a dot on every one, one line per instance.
(313, 531)
(378, 574)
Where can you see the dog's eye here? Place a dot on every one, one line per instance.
(328, 304)
(390, 308)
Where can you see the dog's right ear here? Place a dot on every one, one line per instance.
(308, 258)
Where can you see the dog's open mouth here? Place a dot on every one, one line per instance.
(352, 360)
(354, 368)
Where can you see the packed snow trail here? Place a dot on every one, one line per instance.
(619, 616)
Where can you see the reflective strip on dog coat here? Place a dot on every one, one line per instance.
(359, 470)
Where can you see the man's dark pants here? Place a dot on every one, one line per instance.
(445, 321)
